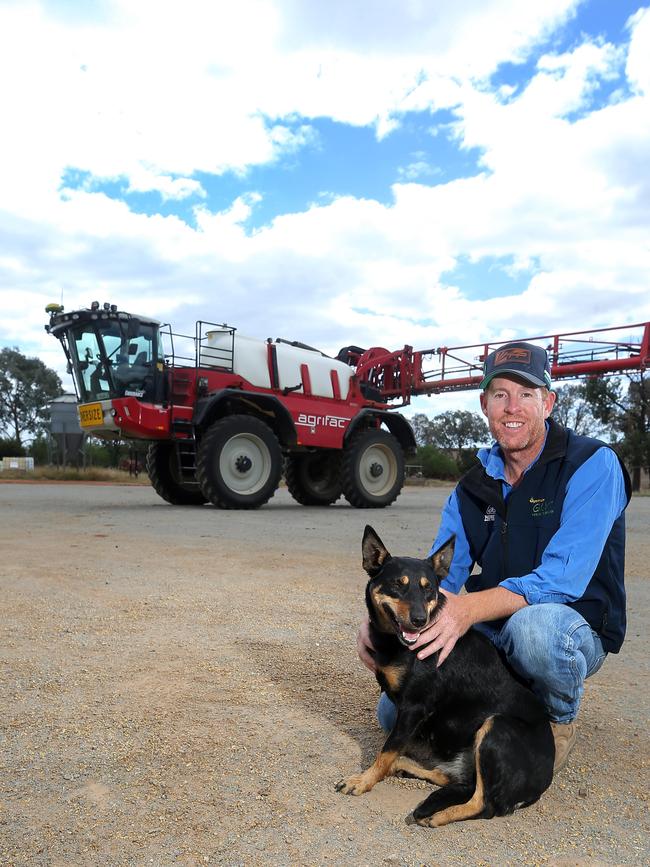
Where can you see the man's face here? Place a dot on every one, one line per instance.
(516, 412)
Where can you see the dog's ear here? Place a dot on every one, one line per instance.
(441, 559)
(374, 552)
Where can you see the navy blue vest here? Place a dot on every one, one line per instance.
(508, 538)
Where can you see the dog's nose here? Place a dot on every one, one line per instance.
(418, 620)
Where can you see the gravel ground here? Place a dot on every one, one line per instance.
(179, 686)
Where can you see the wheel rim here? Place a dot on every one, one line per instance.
(245, 464)
(378, 470)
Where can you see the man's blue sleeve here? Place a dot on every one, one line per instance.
(451, 524)
(595, 497)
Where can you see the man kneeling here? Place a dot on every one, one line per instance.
(542, 514)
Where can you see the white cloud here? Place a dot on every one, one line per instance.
(469, 35)
(151, 95)
(638, 58)
(154, 89)
(418, 168)
(143, 181)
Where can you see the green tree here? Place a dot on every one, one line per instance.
(625, 412)
(114, 451)
(436, 464)
(9, 448)
(572, 410)
(421, 425)
(40, 450)
(456, 430)
(453, 435)
(27, 387)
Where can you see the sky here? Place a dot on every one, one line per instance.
(368, 172)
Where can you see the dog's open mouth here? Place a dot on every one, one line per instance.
(407, 638)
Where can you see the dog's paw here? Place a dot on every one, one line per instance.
(422, 821)
(425, 819)
(354, 785)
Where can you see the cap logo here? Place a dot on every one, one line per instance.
(521, 356)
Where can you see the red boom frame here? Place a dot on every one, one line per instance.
(595, 352)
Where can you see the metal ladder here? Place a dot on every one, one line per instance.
(186, 459)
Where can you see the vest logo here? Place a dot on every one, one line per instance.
(540, 507)
(490, 513)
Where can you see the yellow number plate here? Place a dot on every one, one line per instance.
(91, 414)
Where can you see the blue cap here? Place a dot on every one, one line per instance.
(524, 360)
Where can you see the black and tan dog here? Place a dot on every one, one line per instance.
(467, 726)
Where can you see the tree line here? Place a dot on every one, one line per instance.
(27, 388)
(615, 409)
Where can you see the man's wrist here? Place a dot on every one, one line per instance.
(493, 604)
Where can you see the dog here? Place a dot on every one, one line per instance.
(467, 726)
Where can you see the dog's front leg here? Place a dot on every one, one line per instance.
(387, 757)
(357, 784)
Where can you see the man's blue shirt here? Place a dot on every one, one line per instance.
(595, 497)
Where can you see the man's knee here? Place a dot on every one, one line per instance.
(386, 713)
(534, 635)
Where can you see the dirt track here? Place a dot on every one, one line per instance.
(180, 686)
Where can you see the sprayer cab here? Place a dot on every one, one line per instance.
(111, 354)
(117, 365)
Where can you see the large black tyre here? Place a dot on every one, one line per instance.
(372, 470)
(239, 462)
(314, 479)
(164, 475)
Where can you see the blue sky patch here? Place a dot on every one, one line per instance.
(489, 277)
(345, 160)
(338, 160)
(598, 20)
(603, 18)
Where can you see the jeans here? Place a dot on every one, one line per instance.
(553, 650)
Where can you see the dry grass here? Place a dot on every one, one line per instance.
(70, 474)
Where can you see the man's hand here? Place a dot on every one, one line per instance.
(453, 621)
(364, 645)
(461, 612)
(442, 635)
